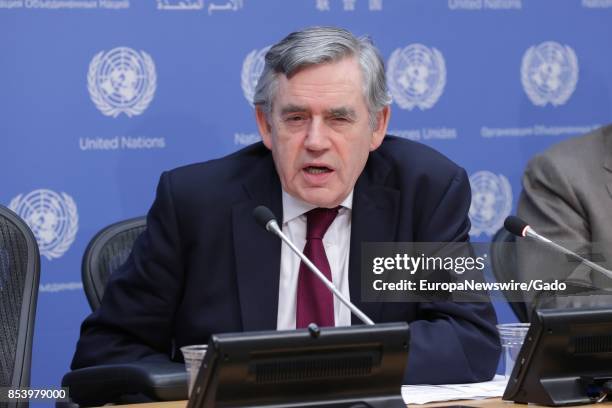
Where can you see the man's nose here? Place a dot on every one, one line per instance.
(317, 137)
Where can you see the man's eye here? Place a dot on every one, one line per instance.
(340, 119)
(295, 118)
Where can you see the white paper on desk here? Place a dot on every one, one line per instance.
(423, 394)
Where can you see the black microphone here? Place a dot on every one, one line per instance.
(520, 228)
(266, 219)
(515, 225)
(264, 216)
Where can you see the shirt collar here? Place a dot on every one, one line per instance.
(294, 207)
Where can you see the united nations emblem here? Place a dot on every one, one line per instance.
(549, 73)
(416, 76)
(491, 202)
(52, 218)
(121, 80)
(252, 67)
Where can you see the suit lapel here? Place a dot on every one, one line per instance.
(257, 252)
(374, 219)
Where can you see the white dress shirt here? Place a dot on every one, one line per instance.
(337, 244)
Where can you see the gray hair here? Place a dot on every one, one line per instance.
(320, 45)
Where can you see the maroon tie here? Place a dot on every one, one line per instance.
(315, 303)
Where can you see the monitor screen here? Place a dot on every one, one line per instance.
(339, 366)
(566, 358)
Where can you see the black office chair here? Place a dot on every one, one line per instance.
(504, 265)
(124, 383)
(106, 252)
(19, 277)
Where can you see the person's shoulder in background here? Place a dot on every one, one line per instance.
(574, 157)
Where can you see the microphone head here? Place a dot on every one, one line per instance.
(515, 225)
(263, 215)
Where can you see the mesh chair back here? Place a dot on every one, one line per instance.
(106, 252)
(19, 277)
(505, 266)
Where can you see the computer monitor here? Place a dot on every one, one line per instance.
(332, 367)
(566, 358)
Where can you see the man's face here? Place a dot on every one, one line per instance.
(319, 131)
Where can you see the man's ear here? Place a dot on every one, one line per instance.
(264, 127)
(382, 121)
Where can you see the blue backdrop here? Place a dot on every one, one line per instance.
(98, 97)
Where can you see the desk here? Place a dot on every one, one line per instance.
(484, 403)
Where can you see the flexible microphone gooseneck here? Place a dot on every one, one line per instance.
(520, 228)
(266, 219)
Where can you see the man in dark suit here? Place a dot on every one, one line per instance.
(204, 266)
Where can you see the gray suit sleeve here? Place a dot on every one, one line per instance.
(551, 204)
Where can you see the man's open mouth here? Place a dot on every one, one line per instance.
(317, 169)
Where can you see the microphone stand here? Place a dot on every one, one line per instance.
(265, 217)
